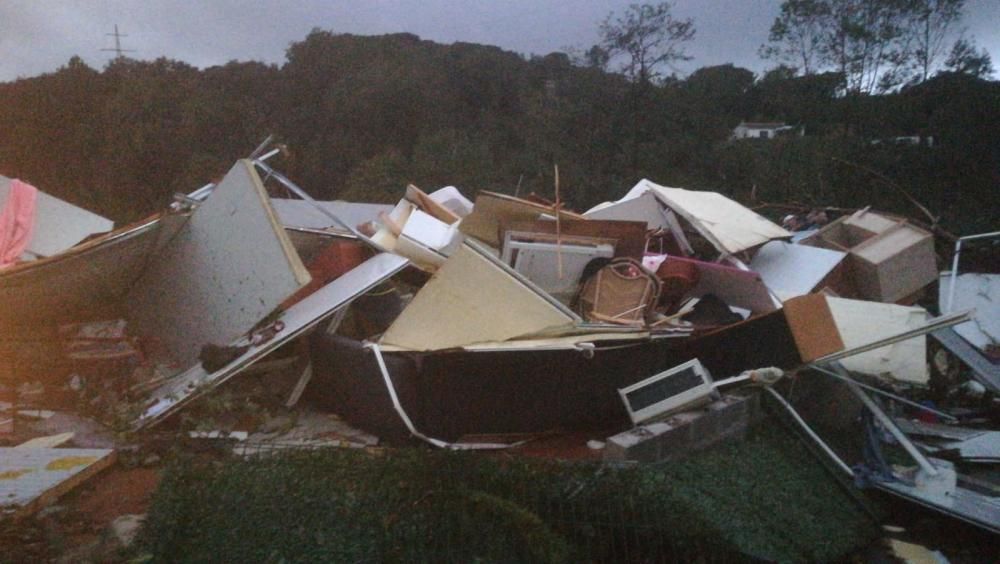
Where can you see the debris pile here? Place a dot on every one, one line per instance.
(651, 322)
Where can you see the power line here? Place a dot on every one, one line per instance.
(119, 52)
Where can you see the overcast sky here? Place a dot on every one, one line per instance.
(38, 36)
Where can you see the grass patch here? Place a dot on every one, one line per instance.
(765, 497)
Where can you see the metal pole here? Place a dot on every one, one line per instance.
(375, 348)
(260, 148)
(812, 434)
(890, 425)
(305, 196)
(884, 393)
(932, 325)
(954, 275)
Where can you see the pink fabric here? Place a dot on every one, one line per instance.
(17, 221)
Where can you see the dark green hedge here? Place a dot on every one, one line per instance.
(765, 498)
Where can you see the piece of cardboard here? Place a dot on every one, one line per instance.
(812, 326)
(895, 263)
(889, 261)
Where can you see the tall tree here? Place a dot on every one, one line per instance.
(875, 45)
(931, 22)
(798, 34)
(965, 59)
(865, 43)
(648, 37)
(645, 39)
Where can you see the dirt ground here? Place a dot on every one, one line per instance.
(76, 527)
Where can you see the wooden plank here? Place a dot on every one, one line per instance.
(493, 209)
(33, 478)
(436, 210)
(230, 266)
(300, 386)
(51, 441)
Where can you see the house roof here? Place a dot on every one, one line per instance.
(763, 124)
(730, 226)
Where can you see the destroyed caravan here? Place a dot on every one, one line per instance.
(503, 316)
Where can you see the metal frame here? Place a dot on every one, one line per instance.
(271, 173)
(954, 262)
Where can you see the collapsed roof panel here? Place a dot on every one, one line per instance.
(229, 267)
(980, 293)
(728, 225)
(295, 320)
(862, 322)
(640, 208)
(84, 279)
(791, 270)
(58, 225)
(471, 299)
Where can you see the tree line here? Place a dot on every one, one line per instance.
(361, 117)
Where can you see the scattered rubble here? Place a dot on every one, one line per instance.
(125, 528)
(439, 319)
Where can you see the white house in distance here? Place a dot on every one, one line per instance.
(762, 130)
